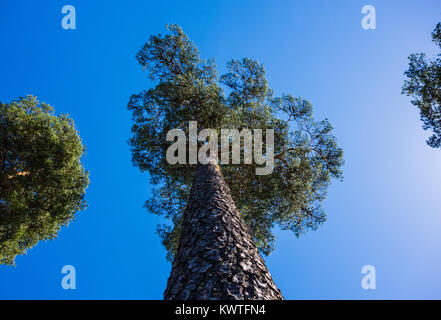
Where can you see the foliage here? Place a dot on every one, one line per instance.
(42, 181)
(424, 85)
(187, 88)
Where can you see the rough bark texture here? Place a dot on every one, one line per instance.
(216, 257)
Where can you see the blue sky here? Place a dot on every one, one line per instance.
(385, 213)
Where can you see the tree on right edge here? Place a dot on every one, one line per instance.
(423, 83)
(223, 215)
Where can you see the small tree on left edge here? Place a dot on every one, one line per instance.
(42, 180)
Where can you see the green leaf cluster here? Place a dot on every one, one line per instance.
(423, 83)
(42, 180)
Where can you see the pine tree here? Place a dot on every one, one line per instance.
(186, 88)
(42, 180)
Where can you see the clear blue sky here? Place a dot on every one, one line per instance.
(385, 213)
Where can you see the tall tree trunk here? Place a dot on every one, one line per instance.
(216, 257)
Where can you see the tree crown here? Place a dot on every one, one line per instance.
(423, 83)
(187, 88)
(42, 181)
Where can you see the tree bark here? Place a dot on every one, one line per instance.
(216, 256)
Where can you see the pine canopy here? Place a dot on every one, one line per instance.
(423, 83)
(42, 181)
(187, 88)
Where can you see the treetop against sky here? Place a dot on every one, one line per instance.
(187, 88)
